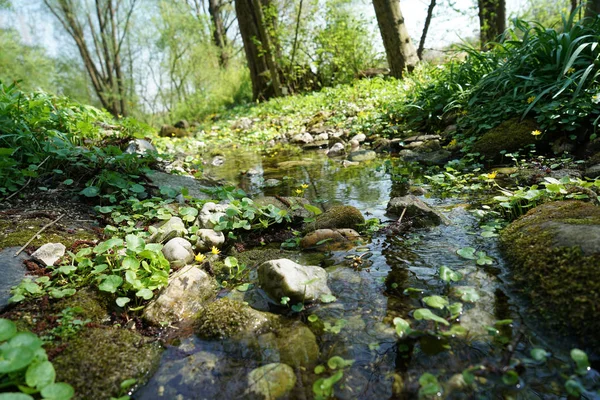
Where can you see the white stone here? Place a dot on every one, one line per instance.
(207, 238)
(210, 214)
(178, 251)
(49, 253)
(284, 278)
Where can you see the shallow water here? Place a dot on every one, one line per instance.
(368, 298)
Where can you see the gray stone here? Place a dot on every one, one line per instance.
(336, 239)
(139, 146)
(49, 253)
(361, 137)
(421, 138)
(194, 186)
(336, 150)
(302, 138)
(322, 136)
(13, 272)
(174, 227)
(317, 144)
(242, 124)
(272, 381)
(226, 318)
(592, 172)
(362, 155)
(272, 183)
(294, 345)
(439, 157)
(586, 237)
(417, 211)
(178, 251)
(217, 161)
(182, 124)
(284, 278)
(210, 214)
(188, 290)
(209, 238)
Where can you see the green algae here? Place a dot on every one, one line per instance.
(510, 136)
(562, 282)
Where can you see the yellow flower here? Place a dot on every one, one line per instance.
(304, 186)
(299, 191)
(453, 143)
(536, 133)
(200, 257)
(570, 70)
(464, 112)
(215, 251)
(492, 175)
(530, 99)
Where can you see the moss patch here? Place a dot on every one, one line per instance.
(337, 217)
(100, 359)
(94, 306)
(510, 135)
(562, 282)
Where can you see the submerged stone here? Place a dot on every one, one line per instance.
(362, 155)
(284, 278)
(272, 381)
(417, 211)
(338, 217)
(555, 254)
(330, 239)
(99, 359)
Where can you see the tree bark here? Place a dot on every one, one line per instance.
(492, 20)
(425, 29)
(592, 8)
(219, 36)
(400, 51)
(259, 52)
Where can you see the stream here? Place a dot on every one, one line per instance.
(370, 297)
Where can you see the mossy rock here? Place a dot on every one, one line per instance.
(510, 136)
(555, 254)
(337, 217)
(226, 318)
(96, 362)
(93, 305)
(254, 257)
(16, 232)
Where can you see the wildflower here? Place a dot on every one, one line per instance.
(492, 175)
(530, 99)
(200, 257)
(304, 186)
(215, 251)
(596, 98)
(536, 133)
(464, 112)
(453, 143)
(570, 71)
(299, 191)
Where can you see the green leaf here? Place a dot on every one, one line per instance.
(402, 326)
(145, 293)
(327, 298)
(483, 259)
(467, 252)
(15, 358)
(134, 243)
(90, 191)
(111, 283)
(426, 314)
(58, 391)
(122, 301)
(244, 287)
(573, 387)
(68, 182)
(447, 275)
(319, 369)
(312, 318)
(137, 188)
(8, 329)
(468, 294)
(539, 354)
(103, 247)
(127, 383)
(435, 302)
(298, 307)
(40, 375)
(581, 360)
(336, 362)
(510, 378)
(15, 396)
(312, 209)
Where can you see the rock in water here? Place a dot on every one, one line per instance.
(338, 217)
(187, 292)
(284, 278)
(178, 251)
(331, 239)
(417, 211)
(362, 155)
(336, 150)
(49, 253)
(272, 381)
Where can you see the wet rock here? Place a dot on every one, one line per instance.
(242, 124)
(337, 217)
(284, 278)
(210, 214)
(382, 145)
(322, 137)
(424, 146)
(49, 253)
(563, 145)
(302, 138)
(334, 239)
(361, 137)
(510, 136)
(293, 205)
(13, 272)
(217, 161)
(317, 144)
(272, 381)
(139, 146)
(592, 172)
(178, 251)
(336, 150)
(171, 131)
(270, 183)
(187, 291)
(449, 130)
(99, 359)
(209, 238)
(555, 253)
(182, 124)
(174, 227)
(439, 157)
(417, 211)
(227, 318)
(296, 345)
(421, 138)
(194, 186)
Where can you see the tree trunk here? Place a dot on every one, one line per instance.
(400, 51)
(259, 53)
(492, 20)
(592, 8)
(425, 29)
(219, 36)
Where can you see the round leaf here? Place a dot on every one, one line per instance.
(467, 252)
(426, 314)
(111, 283)
(122, 301)
(8, 329)
(15, 358)
(447, 275)
(40, 375)
(435, 302)
(58, 391)
(90, 191)
(539, 354)
(145, 293)
(15, 396)
(402, 326)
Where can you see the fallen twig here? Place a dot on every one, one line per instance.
(37, 233)
(26, 183)
(401, 216)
